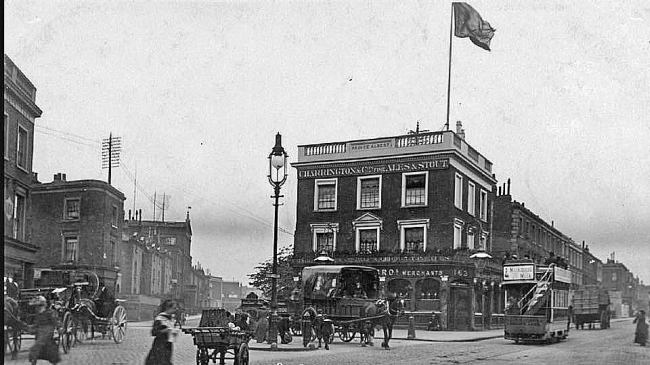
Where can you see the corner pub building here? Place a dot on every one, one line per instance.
(418, 207)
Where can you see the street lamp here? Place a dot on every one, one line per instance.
(277, 176)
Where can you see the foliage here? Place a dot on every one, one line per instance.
(285, 283)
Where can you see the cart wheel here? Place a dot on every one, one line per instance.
(66, 335)
(81, 331)
(202, 357)
(13, 340)
(242, 355)
(118, 324)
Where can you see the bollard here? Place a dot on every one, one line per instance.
(411, 333)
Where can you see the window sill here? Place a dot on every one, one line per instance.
(324, 210)
(415, 206)
(23, 169)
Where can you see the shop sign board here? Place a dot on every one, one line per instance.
(519, 272)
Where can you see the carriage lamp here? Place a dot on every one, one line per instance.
(277, 177)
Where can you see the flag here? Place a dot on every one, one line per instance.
(470, 24)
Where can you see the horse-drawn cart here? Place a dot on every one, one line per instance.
(345, 299)
(216, 338)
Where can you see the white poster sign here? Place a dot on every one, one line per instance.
(521, 272)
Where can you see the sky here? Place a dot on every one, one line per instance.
(197, 91)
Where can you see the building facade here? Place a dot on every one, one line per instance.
(166, 267)
(414, 206)
(621, 285)
(20, 113)
(79, 225)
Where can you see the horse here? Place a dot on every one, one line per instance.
(382, 312)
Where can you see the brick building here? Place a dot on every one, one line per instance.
(166, 267)
(622, 287)
(414, 206)
(79, 225)
(20, 113)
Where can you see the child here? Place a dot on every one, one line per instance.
(45, 324)
(164, 332)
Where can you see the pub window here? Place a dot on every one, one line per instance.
(471, 198)
(325, 242)
(414, 239)
(324, 237)
(20, 206)
(22, 148)
(470, 240)
(458, 192)
(70, 248)
(414, 189)
(458, 234)
(325, 197)
(413, 235)
(483, 205)
(427, 289)
(114, 217)
(6, 131)
(368, 240)
(72, 208)
(369, 192)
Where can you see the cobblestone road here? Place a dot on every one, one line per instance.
(613, 346)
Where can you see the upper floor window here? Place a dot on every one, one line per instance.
(368, 239)
(19, 213)
(458, 192)
(413, 235)
(71, 248)
(471, 240)
(458, 234)
(414, 189)
(483, 205)
(72, 209)
(471, 198)
(114, 216)
(6, 132)
(21, 150)
(324, 237)
(325, 196)
(369, 192)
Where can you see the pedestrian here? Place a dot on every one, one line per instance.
(44, 324)
(165, 334)
(641, 333)
(262, 329)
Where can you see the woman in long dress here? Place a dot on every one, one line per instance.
(164, 332)
(641, 333)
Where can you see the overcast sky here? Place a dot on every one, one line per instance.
(197, 91)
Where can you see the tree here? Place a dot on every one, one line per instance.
(285, 283)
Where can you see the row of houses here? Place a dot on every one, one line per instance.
(419, 207)
(81, 225)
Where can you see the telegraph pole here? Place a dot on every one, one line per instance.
(111, 149)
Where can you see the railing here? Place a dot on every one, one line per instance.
(325, 149)
(419, 139)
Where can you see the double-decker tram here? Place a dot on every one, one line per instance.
(537, 302)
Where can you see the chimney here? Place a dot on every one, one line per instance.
(129, 214)
(459, 129)
(140, 219)
(508, 186)
(552, 223)
(499, 191)
(63, 178)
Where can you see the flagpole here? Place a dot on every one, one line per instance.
(451, 36)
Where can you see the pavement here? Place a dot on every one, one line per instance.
(398, 334)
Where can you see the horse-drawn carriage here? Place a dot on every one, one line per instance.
(19, 317)
(216, 332)
(346, 300)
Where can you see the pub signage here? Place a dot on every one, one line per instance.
(417, 273)
(521, 272)
(375, 168)
(363, 146)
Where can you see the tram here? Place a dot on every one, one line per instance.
(537, 302)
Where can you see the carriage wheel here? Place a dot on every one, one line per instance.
(12, 339)
(66, 335)
(118, 324)
(202, 357)
(346, 335)
(81, 330)
(242, 355)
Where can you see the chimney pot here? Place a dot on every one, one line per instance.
(459, 126)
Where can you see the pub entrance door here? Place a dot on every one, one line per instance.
(460, 308)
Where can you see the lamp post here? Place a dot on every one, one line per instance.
(277, 176)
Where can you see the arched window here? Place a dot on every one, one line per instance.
(401, 287)
(427, 289)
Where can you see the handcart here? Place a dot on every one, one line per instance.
(216, 340)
